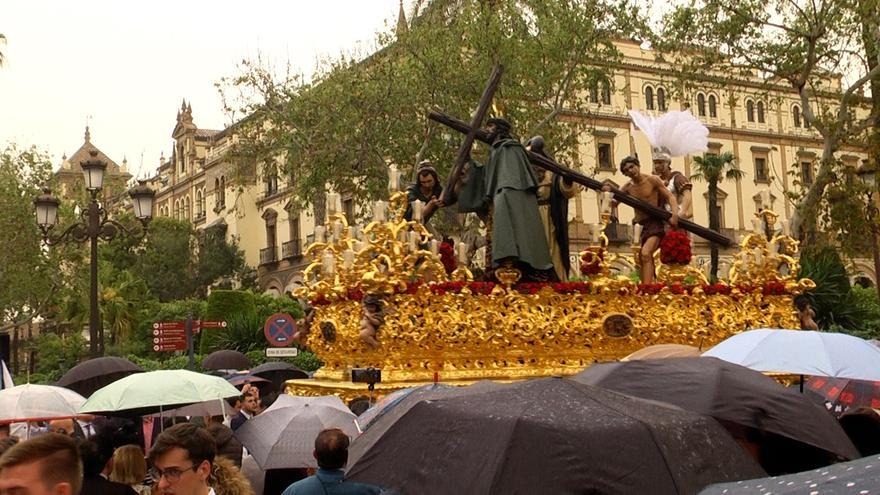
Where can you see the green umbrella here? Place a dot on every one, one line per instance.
(156, 391)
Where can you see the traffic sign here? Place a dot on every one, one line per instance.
(279, 330)
(211, 324)
(282, 352)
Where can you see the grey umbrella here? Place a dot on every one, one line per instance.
(847, 478)
(551, 436)
(88, 376)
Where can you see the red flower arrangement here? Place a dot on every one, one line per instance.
(591, 262)
(716, 288)
(447, 257)
(675, 248)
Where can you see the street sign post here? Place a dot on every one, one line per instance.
(282, 352)
(211, 324)
(279, 330)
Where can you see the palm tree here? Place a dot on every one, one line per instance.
(2, 42)
(714, 169)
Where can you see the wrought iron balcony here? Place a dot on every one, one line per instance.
(291, 249)
(268, 255)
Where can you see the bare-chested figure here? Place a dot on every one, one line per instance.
(650, 189)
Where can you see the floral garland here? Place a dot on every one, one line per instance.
(675, 248)
(531, 288)
(591, 262)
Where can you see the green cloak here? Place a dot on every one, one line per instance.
(508, 184)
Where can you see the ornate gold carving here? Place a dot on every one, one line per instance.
(463, 331)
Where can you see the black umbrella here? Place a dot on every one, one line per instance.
(279, 372)
(96, 373)
(381, 417)
(847, 478)
(551, 436)
(226, 360)
(727, 392)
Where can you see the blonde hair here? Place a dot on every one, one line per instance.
(129, 466)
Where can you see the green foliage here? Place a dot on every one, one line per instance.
(55, 355)
(833, 298)
(172, 362)
(217, 258)
(267, 305)
(165, 261)
(29, 276)
(553, 54)
(227, 305)
(244, 333)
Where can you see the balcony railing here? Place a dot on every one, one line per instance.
(268, 255)
(291, 249)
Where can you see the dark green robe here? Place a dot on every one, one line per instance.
(508, 184)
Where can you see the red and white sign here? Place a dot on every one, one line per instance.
(210, 324)
(169, 336)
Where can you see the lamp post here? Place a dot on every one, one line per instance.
(93, 224)
(868, 177)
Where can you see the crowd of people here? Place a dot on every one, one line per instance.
(149, 456)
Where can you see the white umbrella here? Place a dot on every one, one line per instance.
(157, 391)
(38, 402)
(213, 407)
(802, 352)
(284, 437)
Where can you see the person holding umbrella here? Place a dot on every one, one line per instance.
(331, 452)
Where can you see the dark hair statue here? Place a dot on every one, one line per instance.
(629, 159)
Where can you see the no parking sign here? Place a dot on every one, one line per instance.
(279, 329)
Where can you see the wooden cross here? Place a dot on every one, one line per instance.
(548, 164)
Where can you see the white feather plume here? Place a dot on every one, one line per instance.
(679, 132)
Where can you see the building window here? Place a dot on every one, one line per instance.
(713, 106)
(271, 185)
(187, 210)
(750, 110)
(761, 172)
(807, 173)
(701, 104)
(295, 235)
(661, 99)
(760, 112)
(796, 115)
(606, 93)
(604, 156)
(594, 92)
(221, 192)
(649, 98)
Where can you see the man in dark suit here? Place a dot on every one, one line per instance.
(249, 408)
(97, 455)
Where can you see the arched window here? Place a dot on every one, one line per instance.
(177, 209)
(661, 99)
(796, 115)
(220, 194)
(760, 112)
(713, 106)
(187, 210)
(606, 93)
(649, 98)
(200, 203)
(701, 104)
(750, 110)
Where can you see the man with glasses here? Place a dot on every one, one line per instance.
(181, 458)
(331, 452)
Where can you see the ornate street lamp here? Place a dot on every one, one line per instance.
(868, 176)
(94, 224)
